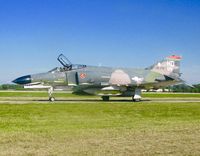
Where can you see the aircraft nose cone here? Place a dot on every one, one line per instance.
(23, 80)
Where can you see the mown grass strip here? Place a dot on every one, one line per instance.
(65, 94)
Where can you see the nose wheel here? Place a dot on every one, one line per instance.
(52, 99)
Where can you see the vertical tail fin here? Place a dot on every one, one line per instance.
(170, 66)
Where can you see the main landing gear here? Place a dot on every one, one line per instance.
(105, 98)
(137, 96)
(50, 92)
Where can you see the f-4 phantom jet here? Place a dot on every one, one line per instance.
(105, 81)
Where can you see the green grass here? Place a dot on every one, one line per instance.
(33, 94)
(100, 129)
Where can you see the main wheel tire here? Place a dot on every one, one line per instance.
(51, 99)
(136, 100)
(105, 98)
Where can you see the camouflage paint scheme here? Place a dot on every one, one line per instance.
(107, 81)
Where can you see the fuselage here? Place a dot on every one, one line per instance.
(106, 81)
(91, 79)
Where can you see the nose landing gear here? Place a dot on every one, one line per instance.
(50, 92)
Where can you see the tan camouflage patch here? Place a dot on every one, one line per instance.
(119, 77)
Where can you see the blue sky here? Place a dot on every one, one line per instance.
(127, 33)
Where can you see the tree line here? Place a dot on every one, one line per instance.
(185, 88)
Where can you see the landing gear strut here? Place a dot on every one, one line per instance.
(105, 98)
(137, 96)
(50, 92)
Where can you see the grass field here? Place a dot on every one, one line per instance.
(99, 128)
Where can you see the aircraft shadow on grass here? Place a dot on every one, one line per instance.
(91, 100)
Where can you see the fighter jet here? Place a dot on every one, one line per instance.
(105, 81)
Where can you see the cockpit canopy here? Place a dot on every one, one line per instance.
(78, 66)
(67, 65)
(57, 69)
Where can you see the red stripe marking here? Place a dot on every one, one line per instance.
(175, 57)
